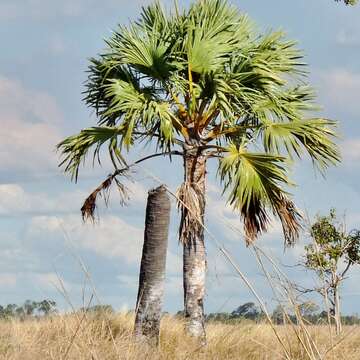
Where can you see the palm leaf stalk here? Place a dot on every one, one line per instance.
(204, 83)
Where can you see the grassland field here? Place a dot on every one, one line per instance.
(82, 336)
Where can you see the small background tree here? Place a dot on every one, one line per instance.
(30, 309)
(348, 2)
(248, 311)
(331, 255)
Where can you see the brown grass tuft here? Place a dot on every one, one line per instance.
(50, 339)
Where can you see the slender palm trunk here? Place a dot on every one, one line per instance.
(152, 270)
(192, 237)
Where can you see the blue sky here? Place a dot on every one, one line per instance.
(45, 47)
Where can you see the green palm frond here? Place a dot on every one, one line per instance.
(286, 104)
(256, 182)
(275, 54)
(146, 54)
(148, 45)
(263, 63)
(143, 110)
(313, 135)
(256, 81)
(75, 148)
(154, 19)
(102, 72)
(211, 35)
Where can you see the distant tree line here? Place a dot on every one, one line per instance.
(30, 308)
(308, 311)
(98, 310)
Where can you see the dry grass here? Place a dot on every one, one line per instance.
(88, 337)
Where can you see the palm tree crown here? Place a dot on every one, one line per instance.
(205, 77)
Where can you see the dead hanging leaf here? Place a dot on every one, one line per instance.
(255, 220)
(290, 219)
(103, 190)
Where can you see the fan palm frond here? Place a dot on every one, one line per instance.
(212, 34)
(313, 135)
(75, 148)
(256, 184)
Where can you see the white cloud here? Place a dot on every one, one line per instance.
(111, 237)
(57, 45)
(14, 200)
(348, 38)
(50, 281)
(29, 129)
(350, 150)
(137, 192)
(8, 11)
(45, 9)
(38, 9)
(341, 89)
(33, 106)
(8, 280)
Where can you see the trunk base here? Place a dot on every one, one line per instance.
(194, 288)
(152, 270)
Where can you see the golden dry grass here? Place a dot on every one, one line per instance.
(88, 337)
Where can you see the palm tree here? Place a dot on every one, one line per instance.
(203, 84)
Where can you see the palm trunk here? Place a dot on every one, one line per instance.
(192, 237)
(152, 270)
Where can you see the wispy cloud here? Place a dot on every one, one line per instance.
(340, 89)
(350, 150)
(30, 122)
(45, 9)
(16, 201)
(7, 280)
(112, 237)
(348, 37)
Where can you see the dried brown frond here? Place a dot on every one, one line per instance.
(89, 206)
(290, 219)
(190, 203)
(255, 220)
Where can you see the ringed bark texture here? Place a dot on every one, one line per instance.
(192, 237)
(152, 269)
